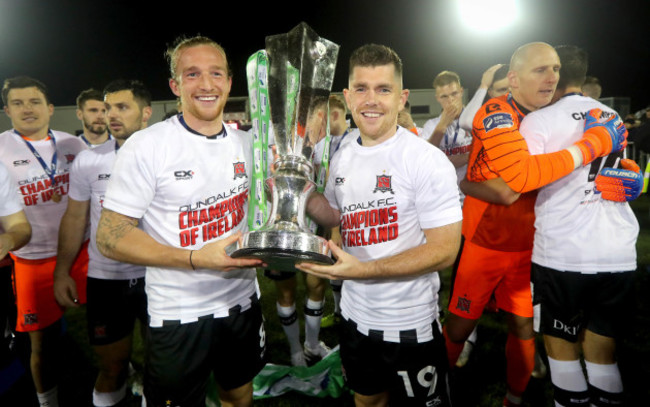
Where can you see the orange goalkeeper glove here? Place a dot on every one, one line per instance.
(620, 184)
(601, 137)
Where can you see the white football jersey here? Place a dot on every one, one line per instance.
(188, 190)
(575, 229)
(35, 188)
(455, 141)
(89, 177)
(387, 194)
(9, 203)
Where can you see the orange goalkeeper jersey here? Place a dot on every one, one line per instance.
(499, 150)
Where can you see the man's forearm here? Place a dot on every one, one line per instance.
(319, 209)
(71, 236)
(119, 238)
(437, 135)
(437, 253)
(17, 234)
(459, 159)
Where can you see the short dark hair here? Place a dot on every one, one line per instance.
(89, 94)
(371, 55)
(22, 82)
(445, 78)
(574, 67)
(500, 73)
(140, 93)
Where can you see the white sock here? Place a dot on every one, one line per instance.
(107, 399)
(50, 398)
(313, 316)
(472, 337)
(567, 375)
(605, 377)
(290, 326)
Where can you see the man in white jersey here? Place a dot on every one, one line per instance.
(115, 291)
(396, 201)
(92, 114)
(444, 131)
(15, 232)
(186, 182)
(39, 160)
(583, 254)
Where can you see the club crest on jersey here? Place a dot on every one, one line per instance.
(30, 319)
(69, 158)
(239, 168)
(384, 184)
(498, 121)
(463, 304)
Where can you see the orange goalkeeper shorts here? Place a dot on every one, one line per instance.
(34, 290)
(482, 272)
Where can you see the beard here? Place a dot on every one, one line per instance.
(96, 128)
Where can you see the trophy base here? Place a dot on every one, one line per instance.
(281, 251)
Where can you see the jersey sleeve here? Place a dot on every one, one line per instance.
(467, 115)
(133, 182)
(497, 127)
(9, 203)
(437, 198)
(80, 189)
(533, 129)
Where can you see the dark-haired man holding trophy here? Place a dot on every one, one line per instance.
(396, 201)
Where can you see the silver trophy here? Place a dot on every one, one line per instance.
(301, 68)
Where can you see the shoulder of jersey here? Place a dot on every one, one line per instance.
(62, 135)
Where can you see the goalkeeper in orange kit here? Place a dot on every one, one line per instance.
(496, 252)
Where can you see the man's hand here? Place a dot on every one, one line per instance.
(601, 137)
(213, 256)
(620, 185)
(450, 113)
(488, 76)
(347, 267)
(65, 290)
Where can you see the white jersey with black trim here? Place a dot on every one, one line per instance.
(575, 229)
(89, 177)
(387, 195)
(9, 203)
(35, 188)
(188, 190)
(456, 141)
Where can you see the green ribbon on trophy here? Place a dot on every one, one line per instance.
(256, 73)
(258, 99)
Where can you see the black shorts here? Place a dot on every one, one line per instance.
(571, 302)
(181, 356)
(112, 307)
(415, 374)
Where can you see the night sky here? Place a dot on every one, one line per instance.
(74, 45)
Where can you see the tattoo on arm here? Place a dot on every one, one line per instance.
(112, 228)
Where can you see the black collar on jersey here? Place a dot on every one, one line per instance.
(519, 109)
(221, 134)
